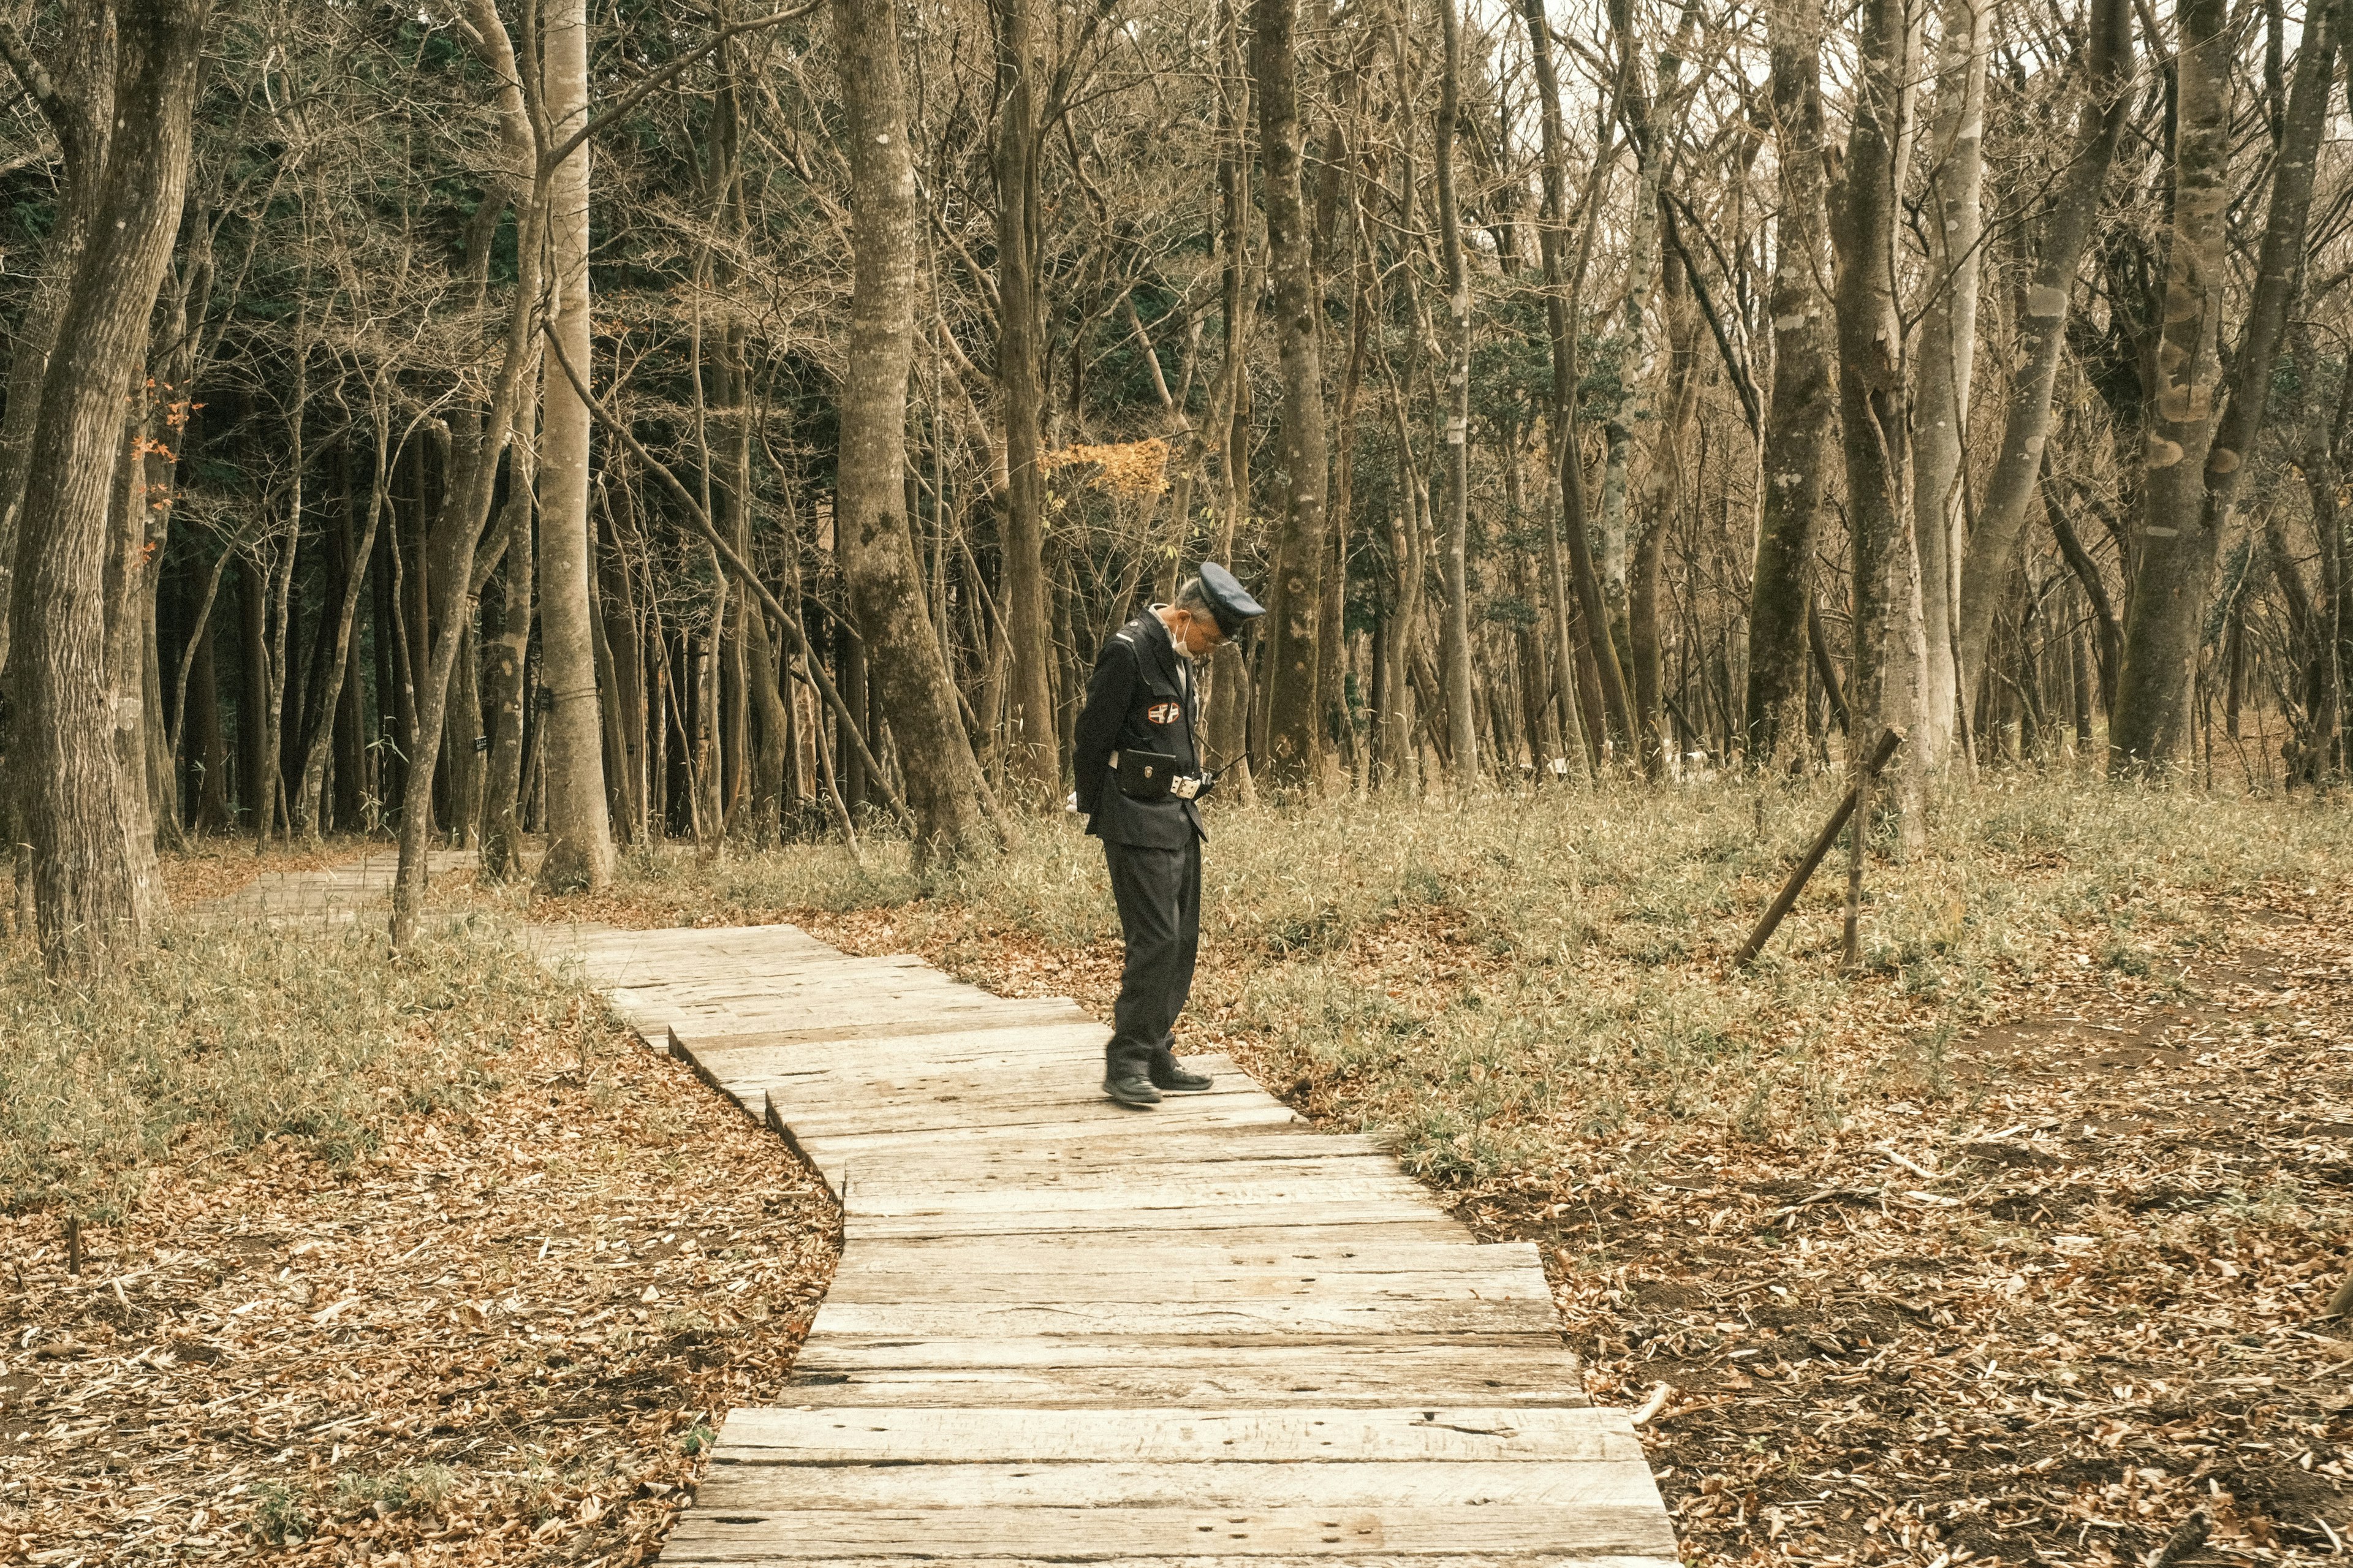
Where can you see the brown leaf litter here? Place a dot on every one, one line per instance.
(504, 1337)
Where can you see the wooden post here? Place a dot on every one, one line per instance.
(1787, 897)
(73, 1244)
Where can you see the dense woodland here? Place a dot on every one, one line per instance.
(640, 421)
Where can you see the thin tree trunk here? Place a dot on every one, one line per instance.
(1890, 643)
(2000, 522)
(1295, 602)
(506, 646)
(1552, 244)
(1462, 719)
(1948, 331)
(311, 796)
(1033, 768)
(458, 532)
(579, 832)
(943, 785)
(1798, 421)
(1662, 490)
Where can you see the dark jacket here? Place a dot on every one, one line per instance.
(1137, 699)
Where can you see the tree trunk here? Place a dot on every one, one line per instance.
(1890, 644)
(1948, 334)
(2199, 433)
(448, 556)
(579, 830)
(310, 798)
(95, 892)
(1033, 768)
(506, 648)
(1288, 663)
(1462, 722)
(206, 748)
(1798, 421)
(944, 785)
(1552, 244)
(1992, 556)
(1662, 489)
(1648, 122)
(74, 90)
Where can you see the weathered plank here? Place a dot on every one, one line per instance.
(1005, 1270)
(1199, 1486)
(1626, 1524)
(1298, 1315)
(1371, 1220)
(685, 1555)
(1031, 1013)
(1302, 1435)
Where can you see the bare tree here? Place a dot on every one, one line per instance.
(1462, 722)
(1875, 426)
(878, 557)
(122, 116)
(2203, 427)
(1948, 337)
(1288, 641)
(579, 830)
(1992, 555)
(1802, 405)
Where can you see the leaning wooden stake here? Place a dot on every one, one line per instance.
(1788, 898)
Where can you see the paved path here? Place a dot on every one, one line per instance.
(1063, 1331)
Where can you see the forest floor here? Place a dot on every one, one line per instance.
(418, 1262)
(2011, 1248)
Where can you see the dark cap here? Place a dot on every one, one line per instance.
(1229, 602)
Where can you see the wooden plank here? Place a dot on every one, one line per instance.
(1437, 1317)
(884, 1199)
(688, 1555)
(892, 1176)
(1049, 1027)
(1007, 1078)
(1129, 1140)
(1241, 1221)
(693, 1557)
(1240, 1378)
(950, 1121)
(1196, 1487)
(1167, 1264)
(1067, 1280)
(1138, 1130)
(1024, 1013)
(1626, 1524)
(1305, 1435)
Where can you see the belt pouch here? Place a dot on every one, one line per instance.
(1146, 776)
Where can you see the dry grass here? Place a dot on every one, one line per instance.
(2009, 1249)
(423, 1256)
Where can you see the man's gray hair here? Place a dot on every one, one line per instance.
(1193, 597)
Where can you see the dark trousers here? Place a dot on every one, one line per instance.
(1159, 897)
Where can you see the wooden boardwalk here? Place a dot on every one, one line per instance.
(1063, 1331)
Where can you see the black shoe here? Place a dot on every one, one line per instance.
(1126, 1075)
(1129, 1089)
(1167, 1073)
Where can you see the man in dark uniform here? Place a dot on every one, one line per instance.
(1139, 781)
